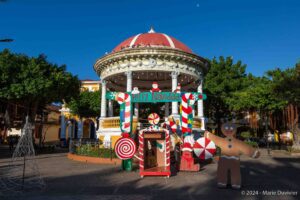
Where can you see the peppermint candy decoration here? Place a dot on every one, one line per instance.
(153, 118)
(204, 148)
(125, 148)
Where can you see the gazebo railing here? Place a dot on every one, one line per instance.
(114, 122)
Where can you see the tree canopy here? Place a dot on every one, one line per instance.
(86, 105)
(34, 82)
(222, 80)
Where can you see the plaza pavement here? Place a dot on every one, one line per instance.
(71, 180)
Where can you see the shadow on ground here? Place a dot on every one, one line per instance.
(87, 181)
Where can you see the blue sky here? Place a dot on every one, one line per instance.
(262, 34)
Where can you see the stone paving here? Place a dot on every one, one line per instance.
(66, 179)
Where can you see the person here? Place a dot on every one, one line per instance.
(10, 143)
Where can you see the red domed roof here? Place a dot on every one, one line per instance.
(152, 39)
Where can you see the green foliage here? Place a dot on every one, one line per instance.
(252, 143)
(34, 82)
(86, 105)
(245, 134)
(222, 80)
(93, 151)
(286, 83)
(257, 95)
(230, 90)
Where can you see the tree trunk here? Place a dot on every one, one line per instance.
(41, 130)
(296, 131)
(31, 113)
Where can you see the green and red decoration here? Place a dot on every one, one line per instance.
(124, 100)
(187, 102)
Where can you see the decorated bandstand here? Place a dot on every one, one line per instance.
(139, 64)
(153, 68)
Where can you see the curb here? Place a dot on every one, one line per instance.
(94, 160)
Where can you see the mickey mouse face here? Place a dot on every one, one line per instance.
(228, 129)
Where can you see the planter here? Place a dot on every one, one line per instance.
(94, 160)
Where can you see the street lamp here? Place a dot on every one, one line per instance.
(6, 40)
(265, 123)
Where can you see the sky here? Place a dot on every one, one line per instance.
(264, 34)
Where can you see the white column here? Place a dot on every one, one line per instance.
(174, 85)
(167, 110)
(103, 99)
(129, 81)
(200, 113)
(136, 110)
(110, 108)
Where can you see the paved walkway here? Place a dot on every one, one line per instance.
(68, 180)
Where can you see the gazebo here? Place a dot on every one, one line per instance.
(137, 62)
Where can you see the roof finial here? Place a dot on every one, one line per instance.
(151, 30)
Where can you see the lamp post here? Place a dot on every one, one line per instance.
(6, 40)
(266, 127)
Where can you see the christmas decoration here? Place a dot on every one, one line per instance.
(124, 100)
(187, 147)
(155, 87)
(135, 90)
(187, 159)
(154, 153)
(125, 148)
(172, 124)
(231, 149)
(189, 139)
(187, 101)
(178, 88)
(204, 148)
(153, 118)
(22, 173)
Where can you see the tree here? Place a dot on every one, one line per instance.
(86, 105)
(222, 80)
(256, 95)
(286, 84)
(33, 82)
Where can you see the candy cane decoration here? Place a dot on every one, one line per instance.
(172, 125)
(141, 150)
(187, 100)
(124, 99)
(167, 149)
